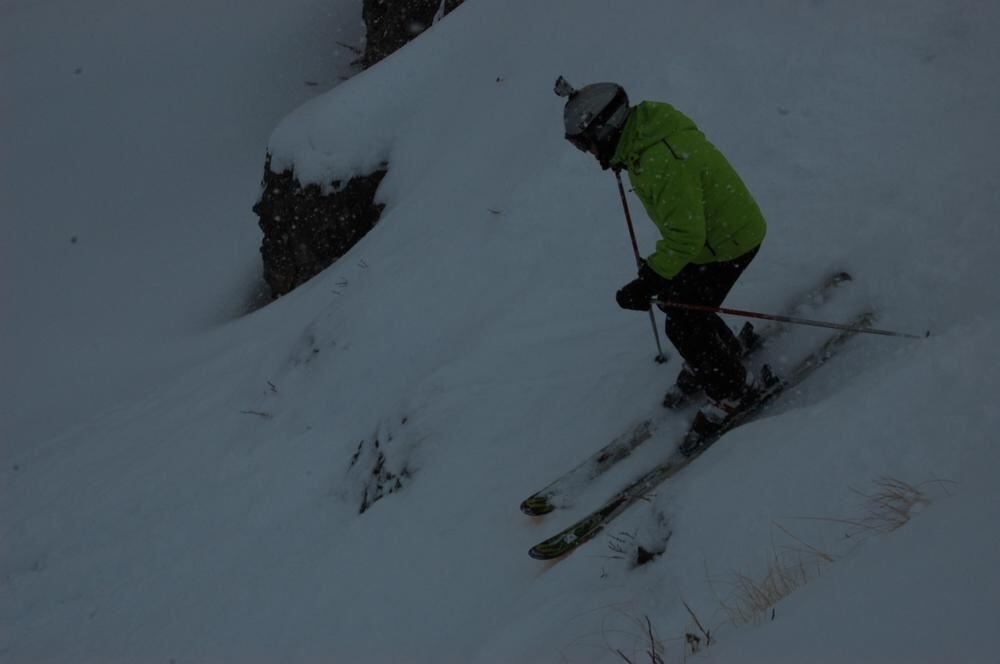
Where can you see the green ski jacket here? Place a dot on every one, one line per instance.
(694, 196)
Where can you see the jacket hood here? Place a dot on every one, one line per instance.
(649, 123)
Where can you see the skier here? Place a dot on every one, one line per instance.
(711, 230)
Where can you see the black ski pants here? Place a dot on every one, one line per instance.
(707, 344)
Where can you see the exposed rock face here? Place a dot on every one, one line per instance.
(391, 24)
(306, 230)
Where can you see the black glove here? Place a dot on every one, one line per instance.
(636, 294)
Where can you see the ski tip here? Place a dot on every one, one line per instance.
(539, 506)
(539, 553)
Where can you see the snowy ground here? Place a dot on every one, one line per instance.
(177, 481)
(133, 137)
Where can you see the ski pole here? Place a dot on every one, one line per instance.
(660, 358)
(786, 319)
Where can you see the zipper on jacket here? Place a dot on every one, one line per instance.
(672, 151)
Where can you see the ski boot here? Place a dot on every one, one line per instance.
(685, 388)
(714, 416)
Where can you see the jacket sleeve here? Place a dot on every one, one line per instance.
(674, 204)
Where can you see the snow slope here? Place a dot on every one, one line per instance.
(213, 514)
(133, 136)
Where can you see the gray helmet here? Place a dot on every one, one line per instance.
(594, 115)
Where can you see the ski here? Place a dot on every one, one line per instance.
(559, 493)
(589, 526)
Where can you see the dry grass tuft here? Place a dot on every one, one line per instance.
(888, 507)
(891, 506)
(786, 572)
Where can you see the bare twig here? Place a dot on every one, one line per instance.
(621, 543)
(350, 47)
(654, 650)
(653, 646)
(622, 655)
(705, 632)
